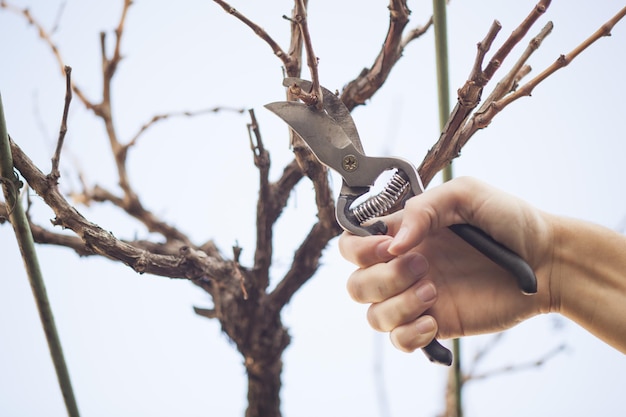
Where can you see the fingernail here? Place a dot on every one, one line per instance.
(382, 250)
(425, 325)
(418, 265)
(399, 238)
(426, 292)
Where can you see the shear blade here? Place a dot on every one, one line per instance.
(335, 108)
(318, 130)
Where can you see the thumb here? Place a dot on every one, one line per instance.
(436, 208)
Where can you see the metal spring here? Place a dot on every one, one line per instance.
(379, 204)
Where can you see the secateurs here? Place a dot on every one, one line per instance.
(332, 136)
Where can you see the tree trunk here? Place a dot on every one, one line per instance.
(263, 361)
(264, 387)
(252, 322)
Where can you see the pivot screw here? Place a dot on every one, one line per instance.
(350, 163)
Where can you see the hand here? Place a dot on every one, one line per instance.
(424, 281)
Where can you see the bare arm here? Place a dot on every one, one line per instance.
(589, 278)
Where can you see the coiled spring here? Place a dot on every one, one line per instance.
(380, 204)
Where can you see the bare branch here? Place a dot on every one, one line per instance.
(563, 60)
(191, 263)
(499, 101)
(515, 37)
(264, 213)
(305, 263)
(136, 210)
(359, 90)
(58, 17)
(164, 116)
(518, 367)
(469, 95)
(300, 16)
(54, 173)
(416, 33)
(286, 58)
(507, 83)
(482, 117)
(117, 56)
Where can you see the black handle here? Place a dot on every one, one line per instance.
(500, 255)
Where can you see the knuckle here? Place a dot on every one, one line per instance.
(355, 289)
(399, 343)
(376, 320)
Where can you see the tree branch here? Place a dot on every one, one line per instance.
(561, 61)
(305, 263)
(370, 80)
(190, 263)
(259, 31)
(505, 93)
(300, 16)
(469, 95)
(264, 218)
(54, 172)
(165, 116)
(516, 368)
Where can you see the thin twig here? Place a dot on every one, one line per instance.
(257, 30)
(164, 116)
(563, 60)
(482, 117)
(362, 88)
(54, 173)
(264, 218)
(416, 33)
(516, 36)
(517, 368)
(490, 109)
(482, 353)
(507, 83)
(469, 95)
(312, 61)
(58, 17)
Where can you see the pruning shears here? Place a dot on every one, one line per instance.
(333, 138)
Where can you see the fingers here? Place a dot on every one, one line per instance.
(402, 308)
(364, 251)
(414, 335)
(436, 208)
(384, 280)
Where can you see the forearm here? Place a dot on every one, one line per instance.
(588, 278)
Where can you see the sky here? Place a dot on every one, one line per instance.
(133, 343)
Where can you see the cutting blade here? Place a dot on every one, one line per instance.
(328, 141)
(335, 108)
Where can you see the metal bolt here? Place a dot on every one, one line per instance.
(350, 163)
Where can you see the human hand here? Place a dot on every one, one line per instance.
(423, 281)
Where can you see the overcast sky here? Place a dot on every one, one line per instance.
(133, 344)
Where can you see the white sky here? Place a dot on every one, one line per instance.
(134, 345)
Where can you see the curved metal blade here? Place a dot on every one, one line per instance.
(335, 109)
(323, 134)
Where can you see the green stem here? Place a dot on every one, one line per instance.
(24, 237)
(443, 90)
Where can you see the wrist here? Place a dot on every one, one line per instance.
(586, 281)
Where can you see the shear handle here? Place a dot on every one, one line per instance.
(500, 255)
